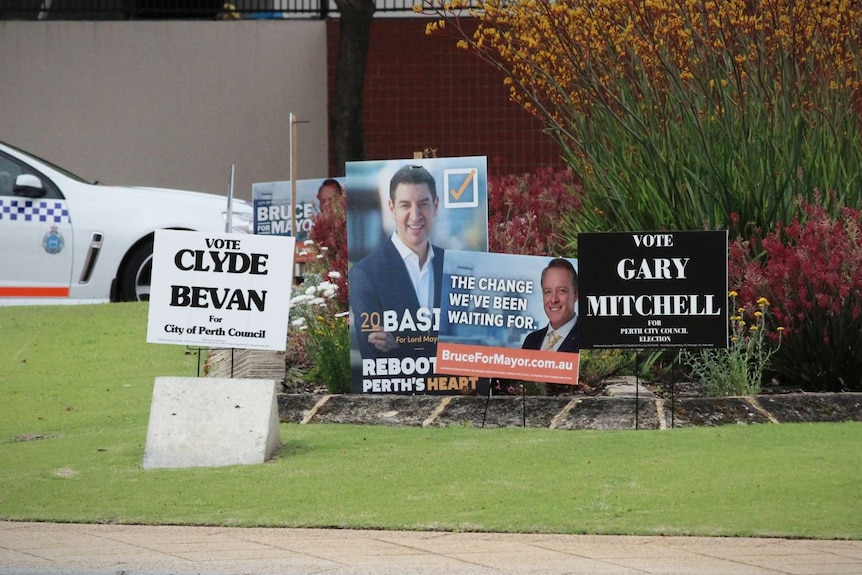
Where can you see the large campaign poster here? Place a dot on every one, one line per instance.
(272, 205)
(403, 216)
(509, 316)
(654, 289)
(220, 290)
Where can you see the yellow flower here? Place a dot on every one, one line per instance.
(733, 294)
(762, 302)
(758, 314)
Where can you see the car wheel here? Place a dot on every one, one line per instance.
(136, 273)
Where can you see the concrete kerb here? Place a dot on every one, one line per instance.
(568, 413)
(624, 406)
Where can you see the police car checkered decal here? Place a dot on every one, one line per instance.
(17, 210)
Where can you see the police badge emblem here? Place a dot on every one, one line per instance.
(53, 241)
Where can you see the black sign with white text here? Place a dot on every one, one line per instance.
(653, 289)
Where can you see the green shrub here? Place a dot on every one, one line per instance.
(319, 327)
(599, 364)
(738, 369)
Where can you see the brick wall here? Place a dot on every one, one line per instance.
(423, 92)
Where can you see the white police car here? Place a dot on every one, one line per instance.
(65, 240)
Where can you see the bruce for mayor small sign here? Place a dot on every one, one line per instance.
(653, 289)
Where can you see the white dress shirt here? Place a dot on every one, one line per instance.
(422, 278)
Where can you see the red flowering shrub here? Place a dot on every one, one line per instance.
(524, 212)
(527, 215)
(318, 342)
(811, 272)
(330, 232)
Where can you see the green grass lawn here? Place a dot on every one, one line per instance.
(77, 383)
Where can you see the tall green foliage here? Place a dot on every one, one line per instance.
(678, 114)
(669, 163)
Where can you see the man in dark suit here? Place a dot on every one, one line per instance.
(403, 275)
(329, 188)
(559, 294)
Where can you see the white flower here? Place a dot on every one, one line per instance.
(308, 243)
(300, 299)
(298, 322)
(342, 314)
(329, 294)
(319, 256)
(310, 290)
(334, 275)
(317, 301)
(324, 286)
(324, 249)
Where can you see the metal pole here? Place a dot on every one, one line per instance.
(293, 223)
(228, 221)
(292, 151)
(637, 392)
(487, 401)
(673, 390)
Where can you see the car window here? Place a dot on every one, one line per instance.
(10, 168)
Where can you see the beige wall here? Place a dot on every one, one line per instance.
(169, 104)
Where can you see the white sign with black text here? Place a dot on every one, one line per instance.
(220, 290)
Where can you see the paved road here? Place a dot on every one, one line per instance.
(49, 548)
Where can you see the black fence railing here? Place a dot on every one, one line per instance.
(179, 9)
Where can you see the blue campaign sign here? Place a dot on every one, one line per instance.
(491, 299)
(403, 216)
(273, 215)
(508, 316)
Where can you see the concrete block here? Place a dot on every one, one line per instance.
(211, 422)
